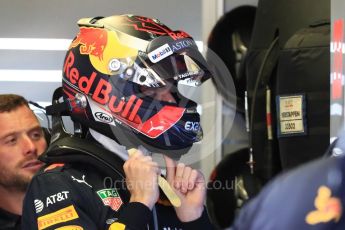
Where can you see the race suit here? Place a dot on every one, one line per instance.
(78, 196)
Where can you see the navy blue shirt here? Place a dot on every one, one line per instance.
(9, 221)
(309, 197)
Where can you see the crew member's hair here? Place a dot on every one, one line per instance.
(9, 102)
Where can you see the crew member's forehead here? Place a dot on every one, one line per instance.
(21, 119)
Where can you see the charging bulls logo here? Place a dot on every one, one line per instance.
(92, 41)
(327, 208)
(102, 46)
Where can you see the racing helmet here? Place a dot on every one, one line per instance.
(117, 73)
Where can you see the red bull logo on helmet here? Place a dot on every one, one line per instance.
(100, 91)
(102, 47)
(92, 41)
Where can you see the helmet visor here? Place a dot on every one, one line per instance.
(186, 66)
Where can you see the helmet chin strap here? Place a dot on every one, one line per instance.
(116, 148)
(110, 144)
